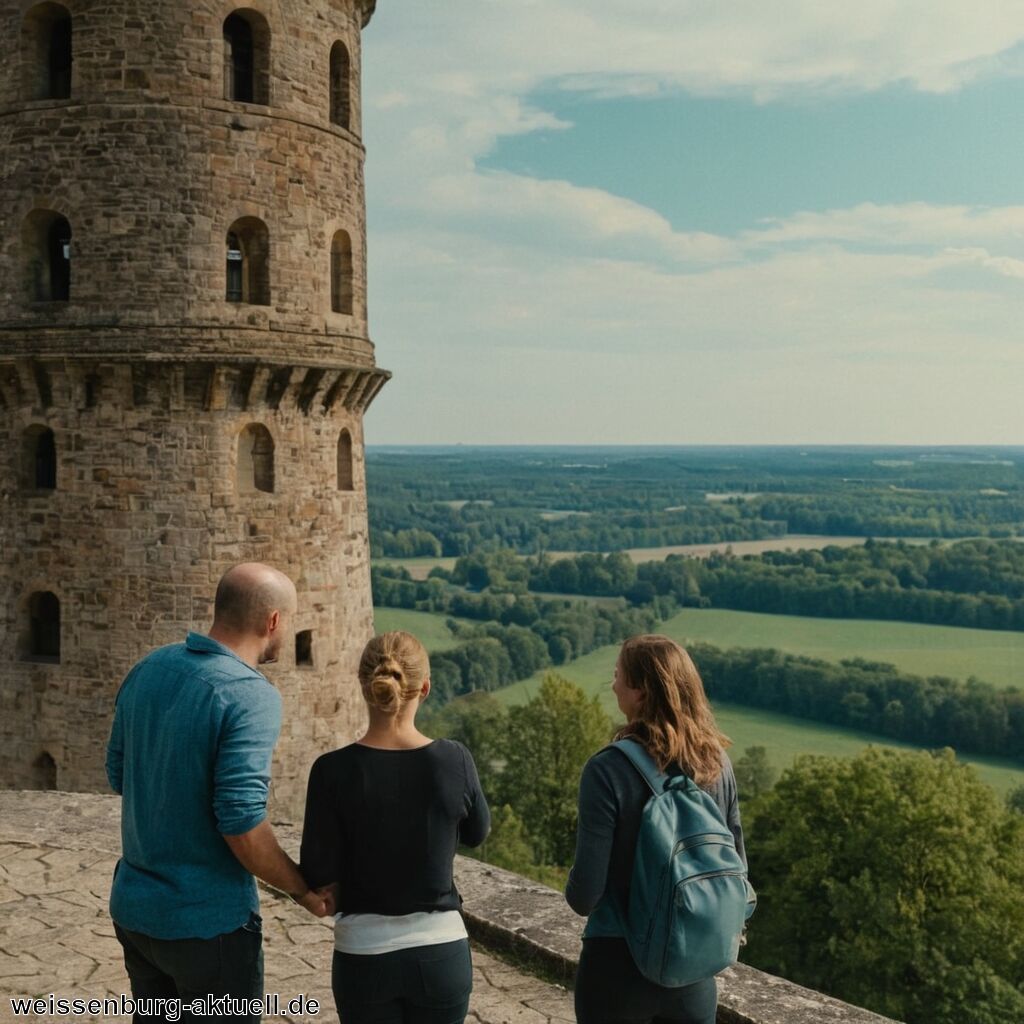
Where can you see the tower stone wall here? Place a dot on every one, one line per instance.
(152, 377)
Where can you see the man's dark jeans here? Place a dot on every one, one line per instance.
(187, 969)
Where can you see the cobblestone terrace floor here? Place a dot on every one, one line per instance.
(57, 854)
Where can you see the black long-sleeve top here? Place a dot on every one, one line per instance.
(611, 804)
(384, 825)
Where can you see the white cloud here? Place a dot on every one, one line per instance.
(697, 44)
(1005, 265)
(894, 225)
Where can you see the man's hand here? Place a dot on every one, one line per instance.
(258, 852)
(313, 901)
(330, 897)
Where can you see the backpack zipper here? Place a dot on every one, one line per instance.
(704, 839)
(710, 874)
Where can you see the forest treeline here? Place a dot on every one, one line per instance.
(970, 716)
(518, 634)
(975, 583)
(411, 530)
(607, 500)
(403, 530)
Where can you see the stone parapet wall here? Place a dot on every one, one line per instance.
(534, 924)
(264, 341)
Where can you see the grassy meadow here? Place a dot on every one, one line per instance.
(785, 737)
(428, 626)
(994, 656)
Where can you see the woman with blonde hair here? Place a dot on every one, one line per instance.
(383, 818)
(660, 692)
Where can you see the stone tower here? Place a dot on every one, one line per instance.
(184, 356)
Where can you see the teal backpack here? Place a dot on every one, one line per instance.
(689, 895)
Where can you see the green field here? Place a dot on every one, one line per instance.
(913, 647)
(995, 656)
(419, 568)
(784, 737)
(428, 626)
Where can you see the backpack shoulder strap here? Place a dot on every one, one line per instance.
(643, 763)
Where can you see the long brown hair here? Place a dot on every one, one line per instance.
(674, 721)
(392, 670)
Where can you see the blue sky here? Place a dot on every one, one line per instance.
(724, 163)
(665, 221)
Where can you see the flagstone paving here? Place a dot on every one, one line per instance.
(57, 855)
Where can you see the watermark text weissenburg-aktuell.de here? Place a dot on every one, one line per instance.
(271, 1005)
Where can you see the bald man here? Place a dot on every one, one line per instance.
(190, 751)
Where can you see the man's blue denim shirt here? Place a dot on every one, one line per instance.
(190, 751)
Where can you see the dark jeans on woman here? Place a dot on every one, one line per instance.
(187, 969)
(422, 985)
(611, 990)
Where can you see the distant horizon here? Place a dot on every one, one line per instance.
(679, 446)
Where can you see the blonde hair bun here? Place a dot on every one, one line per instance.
(392, 670)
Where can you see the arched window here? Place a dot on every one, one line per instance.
(46, 49)
(248, 262)
(39, 459)
(46, 240)
(255, 459)
(246, 57)
(43, 628)
(44, 772)
(341, 272)
(346, 477)
(341, 113)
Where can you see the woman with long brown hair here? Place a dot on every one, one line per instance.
(659, 690)
(383, 818)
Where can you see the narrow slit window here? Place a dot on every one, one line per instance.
(44, 772)
(46, 242)
(246, 57)
(341, 273)
(255, 460)
(235, 264)
(44, 628)
(59, 257)
(47, 52)
(341, 70)
(346, 476)
(59, 58)
(39, 456)
(304, 648)
(247, 262)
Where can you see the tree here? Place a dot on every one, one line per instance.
(546, 744)
(754, 774)
(1015, 799)
(894, 881)
(508, 844)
